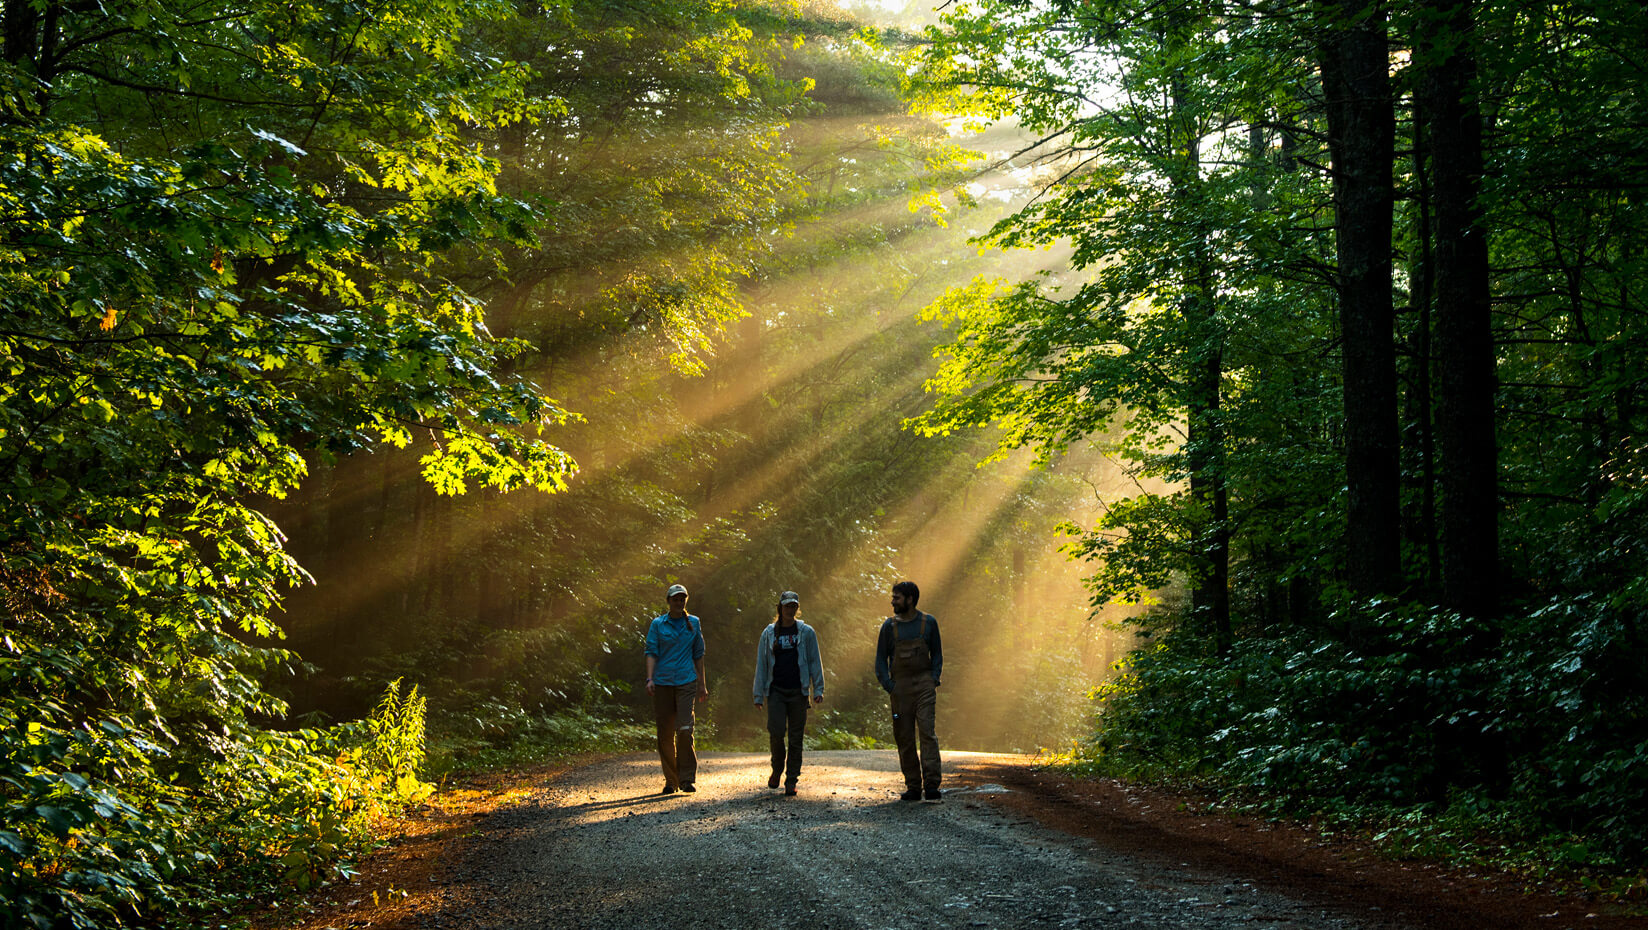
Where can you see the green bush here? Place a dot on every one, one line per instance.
(105, 827)
(493, 734)
(837, 738)
(1442, 729)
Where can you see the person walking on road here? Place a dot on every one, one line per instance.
(789, 680)
(675, 675)
(909, 661)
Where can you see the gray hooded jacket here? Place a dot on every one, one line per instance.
(812, 666)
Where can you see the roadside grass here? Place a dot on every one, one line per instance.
(501, 738)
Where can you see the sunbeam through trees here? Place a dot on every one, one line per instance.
(372, 369)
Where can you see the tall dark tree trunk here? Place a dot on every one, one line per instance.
(31, 41)
(1205, 449)
(423, 559)
(1361, 115)
(444, 582)
(1464, 348)
(1204, 429)
(1208, 484)
(21, 23)
(1420, 435)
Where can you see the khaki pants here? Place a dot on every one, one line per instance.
(914, 706)
(672, 704)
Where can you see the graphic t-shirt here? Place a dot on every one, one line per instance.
(787, 657)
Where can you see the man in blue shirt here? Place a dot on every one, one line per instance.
(675, 674)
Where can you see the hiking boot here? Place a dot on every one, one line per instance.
(789, 790)
(669, 789)
(932, 796)
(914, 794)
(688, 787)
(772, 780)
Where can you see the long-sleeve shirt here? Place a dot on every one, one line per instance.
(810, 663)
(892, 628)
(676, 644)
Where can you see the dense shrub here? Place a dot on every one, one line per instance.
(172, 831)
(1411, 715)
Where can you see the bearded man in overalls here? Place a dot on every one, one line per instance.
(909, 661)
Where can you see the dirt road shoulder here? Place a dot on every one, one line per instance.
(1176, 828)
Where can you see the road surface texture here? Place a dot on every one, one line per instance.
(597, 846)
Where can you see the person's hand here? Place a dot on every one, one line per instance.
(757, 703)
(649, 685)
(703, 694)
(818, 699)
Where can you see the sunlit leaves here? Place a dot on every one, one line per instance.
(665, 164)
(225, 245)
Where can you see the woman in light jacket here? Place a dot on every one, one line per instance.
(789, 679)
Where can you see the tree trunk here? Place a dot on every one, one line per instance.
(1465, 378)
(1420, 429)
(21, 23)
(1361, 115)
(1204, 428)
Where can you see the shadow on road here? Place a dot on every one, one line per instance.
(633, 801)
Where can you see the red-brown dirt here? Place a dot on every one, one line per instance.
(1173, 827)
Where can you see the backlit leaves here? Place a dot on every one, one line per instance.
(224, 247)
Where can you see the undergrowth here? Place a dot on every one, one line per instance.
(1522, 747)
(498, 736)
(266, 810)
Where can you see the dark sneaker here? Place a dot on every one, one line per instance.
(688, 787)
(669, 789)
(914, 794)
(932, 796)
(772, 780)
(789, 790)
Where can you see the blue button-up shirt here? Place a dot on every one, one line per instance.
(676, 644)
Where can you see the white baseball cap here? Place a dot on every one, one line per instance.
(675, 589)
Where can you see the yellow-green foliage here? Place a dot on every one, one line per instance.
(391, 760)
(127, 844)
(224, 255)
(327, 793)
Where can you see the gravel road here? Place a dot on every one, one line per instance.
(598, 847)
